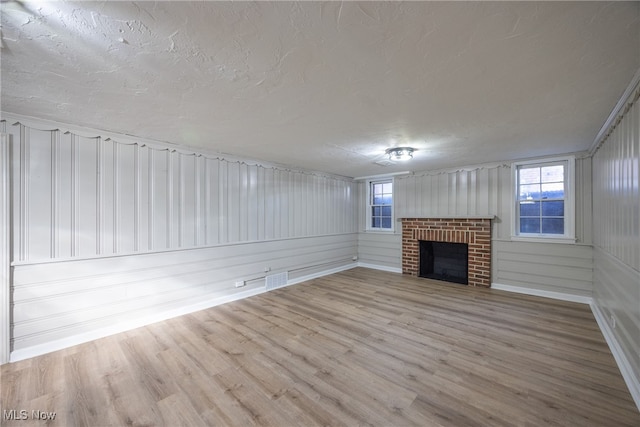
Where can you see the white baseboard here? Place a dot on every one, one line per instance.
(380, 267)
(540, 293)
(623, 363)
(321, 274)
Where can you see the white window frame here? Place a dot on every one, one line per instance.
(569, 199)
(369, 205)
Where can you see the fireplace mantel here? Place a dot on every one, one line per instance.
(489, 217)
(475, 231)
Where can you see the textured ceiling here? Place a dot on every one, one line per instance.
(327, 85)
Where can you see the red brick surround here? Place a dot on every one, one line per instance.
(475, 232)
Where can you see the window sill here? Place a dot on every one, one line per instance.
(545, 239)
(373, 230)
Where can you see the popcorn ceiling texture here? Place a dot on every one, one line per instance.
(303, 83)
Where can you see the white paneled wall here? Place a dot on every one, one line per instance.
(616, 183)
(55, 302)
(485, 190)
(380, 250)
(110, 230)
(5, 249)
(616, 201)
(79, 196)
(544, 267)
(478, 191)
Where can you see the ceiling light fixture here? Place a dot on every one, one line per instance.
(400, 153)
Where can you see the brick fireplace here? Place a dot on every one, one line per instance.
(475, 232)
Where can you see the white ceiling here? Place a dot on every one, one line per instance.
(327, 86)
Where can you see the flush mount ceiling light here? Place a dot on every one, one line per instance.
(400, 153)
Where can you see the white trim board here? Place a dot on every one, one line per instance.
(5, 250)
(320, 274)
(540, 293)
(380, 267)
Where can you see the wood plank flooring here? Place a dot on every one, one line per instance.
(361, 347)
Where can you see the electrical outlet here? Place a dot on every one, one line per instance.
(267, 269)
(240, 283)
(355, 258)
(613, 321)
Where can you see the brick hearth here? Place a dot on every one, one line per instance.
(475, 232)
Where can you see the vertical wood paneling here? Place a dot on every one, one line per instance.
(75, 195)
(107, 204)
(253, 216)
(143, 202)
(64, 194)
(200, 229)
(160, 205)
(232, 201)
(584, 222)
(188, 200)
(82, 196)
(261, 203)
(112, 181)
(23, 194)
(125, 196)
(174, 210)
(288, 227)
(39, 210)
(459, 193)
(243, 206)
(299, 211)
(55, 194)
(504, 189)
(214, 213)
(86, 196)
(615, 193)
(223, 203)
(272, 197)
(5, 248)
(314, 213)
(280, 206)
(616, 235)
(481, 191)
(82, 199)
(150, 197)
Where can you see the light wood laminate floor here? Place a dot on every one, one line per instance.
(361, 347)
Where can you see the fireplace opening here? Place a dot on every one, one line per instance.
(444, 261)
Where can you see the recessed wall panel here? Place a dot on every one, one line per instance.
(39, 206)
(159, 201)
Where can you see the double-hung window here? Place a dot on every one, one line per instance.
(380, 205)
(544, 199)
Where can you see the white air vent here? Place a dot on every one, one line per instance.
(274, 281)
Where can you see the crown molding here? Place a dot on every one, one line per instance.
(626, 99)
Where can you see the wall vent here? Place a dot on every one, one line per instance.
(274, 281)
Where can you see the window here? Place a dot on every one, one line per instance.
(380, 205)
(544, 199)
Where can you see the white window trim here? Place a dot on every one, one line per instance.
(569, 235)
(368, 227)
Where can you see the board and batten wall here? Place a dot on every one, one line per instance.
(616, 239)
(486, 190)
(110, 232)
